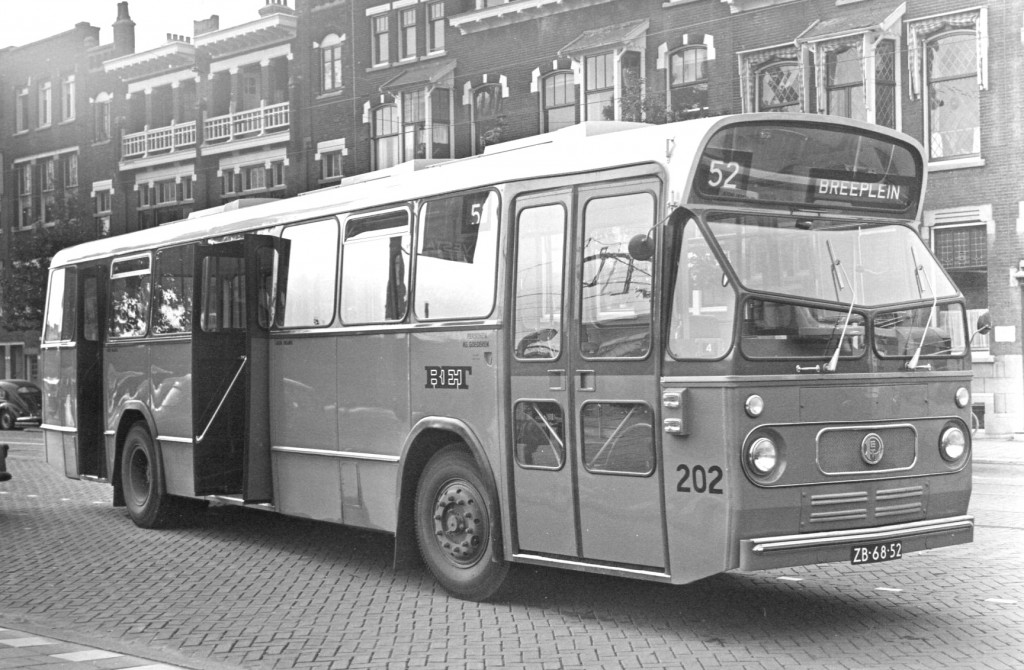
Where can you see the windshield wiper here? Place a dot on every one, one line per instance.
(837, 267)
(920, 275)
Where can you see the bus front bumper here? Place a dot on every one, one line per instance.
(843, 545)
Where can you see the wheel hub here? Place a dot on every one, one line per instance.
(459, 525)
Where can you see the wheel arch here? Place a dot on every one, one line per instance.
(131, 415)
(427, 437)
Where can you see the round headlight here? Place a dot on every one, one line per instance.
(953, 443)
(763, 456)
(963, 396)
(754, 406)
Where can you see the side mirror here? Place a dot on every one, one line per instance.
(984, 323)
(641, 247)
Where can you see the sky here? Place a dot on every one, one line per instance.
(26, 21)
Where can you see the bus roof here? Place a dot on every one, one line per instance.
(584, 147)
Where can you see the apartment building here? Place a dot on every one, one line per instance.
(301, 97)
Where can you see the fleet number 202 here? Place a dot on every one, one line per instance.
(698, 479)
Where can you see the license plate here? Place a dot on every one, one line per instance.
(876, 553)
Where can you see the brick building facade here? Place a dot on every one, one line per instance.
(303, 96)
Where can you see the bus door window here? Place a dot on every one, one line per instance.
(311, 284)
(375, 269)
(457, 257)
(129, 297)
(271, 298)
(704, 302)
(224, 294)
(539, 434)
(540, 252)
(60, 310)
(616, 288)
(172, 295)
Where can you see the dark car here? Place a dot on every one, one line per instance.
(21, 404)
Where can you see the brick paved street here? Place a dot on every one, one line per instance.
(249, 589)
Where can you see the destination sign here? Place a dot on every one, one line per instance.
(800, 164)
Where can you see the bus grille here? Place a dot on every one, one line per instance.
(864, 508)
(840, 450)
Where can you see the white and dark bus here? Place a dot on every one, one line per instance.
(658, 352)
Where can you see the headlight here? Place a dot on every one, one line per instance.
(963, 396)
(754, 406)
(953, 443)
(762, 456)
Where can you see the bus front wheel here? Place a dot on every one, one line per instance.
(148, 503)
(455, 526)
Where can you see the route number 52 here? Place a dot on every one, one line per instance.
(722, 174)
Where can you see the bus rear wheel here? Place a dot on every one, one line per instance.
(456, 525)
(145, 496)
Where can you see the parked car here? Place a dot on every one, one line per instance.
(21, 404)
(4, 475)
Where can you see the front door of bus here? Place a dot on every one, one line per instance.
(585, 474)
(234, 303)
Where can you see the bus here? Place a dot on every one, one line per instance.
(651, 351)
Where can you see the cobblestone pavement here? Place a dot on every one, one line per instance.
(248, 589)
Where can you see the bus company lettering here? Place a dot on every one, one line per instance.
(859, 189)
(448, 376)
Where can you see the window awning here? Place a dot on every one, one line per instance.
(855, 20)
(623, 35)
(419, 76)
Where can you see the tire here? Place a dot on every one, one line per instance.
(144, 493)
(7, 420)
(456, 526)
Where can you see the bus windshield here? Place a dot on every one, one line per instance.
(868, 265)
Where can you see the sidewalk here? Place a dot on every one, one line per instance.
(999, 448)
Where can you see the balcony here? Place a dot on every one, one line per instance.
(158, 140)
(249, 123)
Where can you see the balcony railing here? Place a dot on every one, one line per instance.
(251, 122)
(159, 140)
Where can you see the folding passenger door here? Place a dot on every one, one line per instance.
(235, 298)
(585, 471)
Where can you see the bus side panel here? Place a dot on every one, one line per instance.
(125, 379)
(170, 384)
(373, 419)
(58, 367)
(303, 407)
(455, 374)
(700, 472)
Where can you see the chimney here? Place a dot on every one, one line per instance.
(275, 7)
(204, 26)
(124, 31)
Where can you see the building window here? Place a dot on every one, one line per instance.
(599, 96)
(845, 83)
(688, 80)
(408, 42)
(67, 98)
(488, 121)
(778, 87)
(952, 101)
(330, 60)
(101, 117)
(414, 113)
(254, 178)
(885, 83)
(24, 175)
(275, 175)
(69, 167)
(435, 27)
(45, 103)
(102, 199)
(21, 112)
(386, 137)
(331, 163)
(381, 41)
(962, 249)
(48, 174)
(166, 192)
(559, 103)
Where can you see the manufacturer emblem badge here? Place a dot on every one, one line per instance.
(872, 448)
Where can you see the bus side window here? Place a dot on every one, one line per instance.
(375, 269)
(457, 257)
(129, 297)
(60, 310)
(311, 284)
(172, 297)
